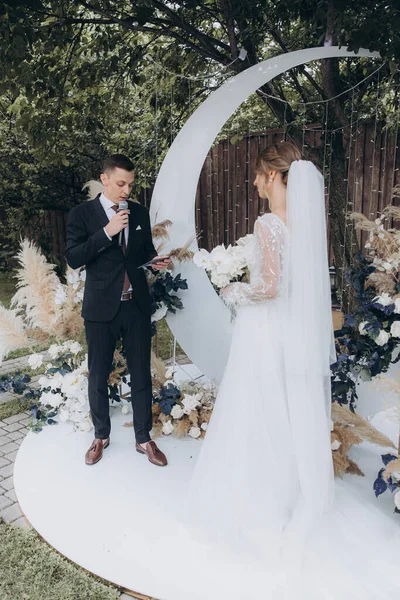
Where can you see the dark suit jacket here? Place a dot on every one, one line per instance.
(88, 244)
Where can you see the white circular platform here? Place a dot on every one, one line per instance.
(118, 518)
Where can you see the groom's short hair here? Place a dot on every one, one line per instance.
(118, 161)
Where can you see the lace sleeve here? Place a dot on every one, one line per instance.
(265, 274)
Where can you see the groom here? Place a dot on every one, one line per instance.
(117, 301)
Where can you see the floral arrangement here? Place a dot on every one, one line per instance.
(225, 265)
(369, 337)
(389, 479)
(349, 429)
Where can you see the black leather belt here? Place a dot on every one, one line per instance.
(126, 296)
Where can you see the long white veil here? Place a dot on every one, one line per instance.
(308, 345)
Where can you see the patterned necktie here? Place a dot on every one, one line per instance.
(127, 283)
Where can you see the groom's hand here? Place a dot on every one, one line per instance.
(161, 265)
(118, 222)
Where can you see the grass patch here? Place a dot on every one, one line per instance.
(7, 289)
(31, 569)
(163, 346)
(13, 407)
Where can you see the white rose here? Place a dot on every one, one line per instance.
(384, 299)
(75, 347)
(169, 373)
(204, 426)
(202, 259)
(397, 499)
(397, 306)
(382, 338)
(361, 328)
(194, 432)
(177, 411)
(395, 329)
(167, 427)
(125, 409)
(386, 265)
(336, 445)
(160, 312)
(78, 297)
(35, 361)
(53, 400)
(54, 350)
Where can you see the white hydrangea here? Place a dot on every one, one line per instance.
(335, 445)
(190, 402)
(204, 426)
(167, 428)
(61, 295)
(35, 361)
(177, 411)
(125, 410)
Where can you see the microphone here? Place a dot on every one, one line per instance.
(123, 205)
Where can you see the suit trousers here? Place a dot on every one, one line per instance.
(134, 327)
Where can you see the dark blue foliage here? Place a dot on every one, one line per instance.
(167, 398)
(163, 290)
(16, 383)
(359, 357)
(380, 486)
(387, 458)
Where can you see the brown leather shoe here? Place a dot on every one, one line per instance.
(95, 452)
(153, 453)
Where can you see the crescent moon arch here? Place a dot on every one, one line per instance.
(204, 328)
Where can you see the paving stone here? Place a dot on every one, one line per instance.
(26, 421)
(4, 439)
(23, 523)
(16, 435)
(12, 495)
(12, 427)
(10, 447)
(5, 502)
(8, 483)
(12, 513)
(4, 462)
(11, 456)
(25, 430)
(14, 419)
(7, 471)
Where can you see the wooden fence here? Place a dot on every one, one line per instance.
(227, 204)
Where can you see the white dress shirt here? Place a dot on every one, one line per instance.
(110, 212)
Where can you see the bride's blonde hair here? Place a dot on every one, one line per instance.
(277, 157)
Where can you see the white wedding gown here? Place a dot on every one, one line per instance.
(245, 489)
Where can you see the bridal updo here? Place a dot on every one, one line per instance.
(278, 157)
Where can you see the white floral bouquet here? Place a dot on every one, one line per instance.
(225, 265)
(184, 410)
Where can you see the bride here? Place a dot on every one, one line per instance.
(262, 491)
